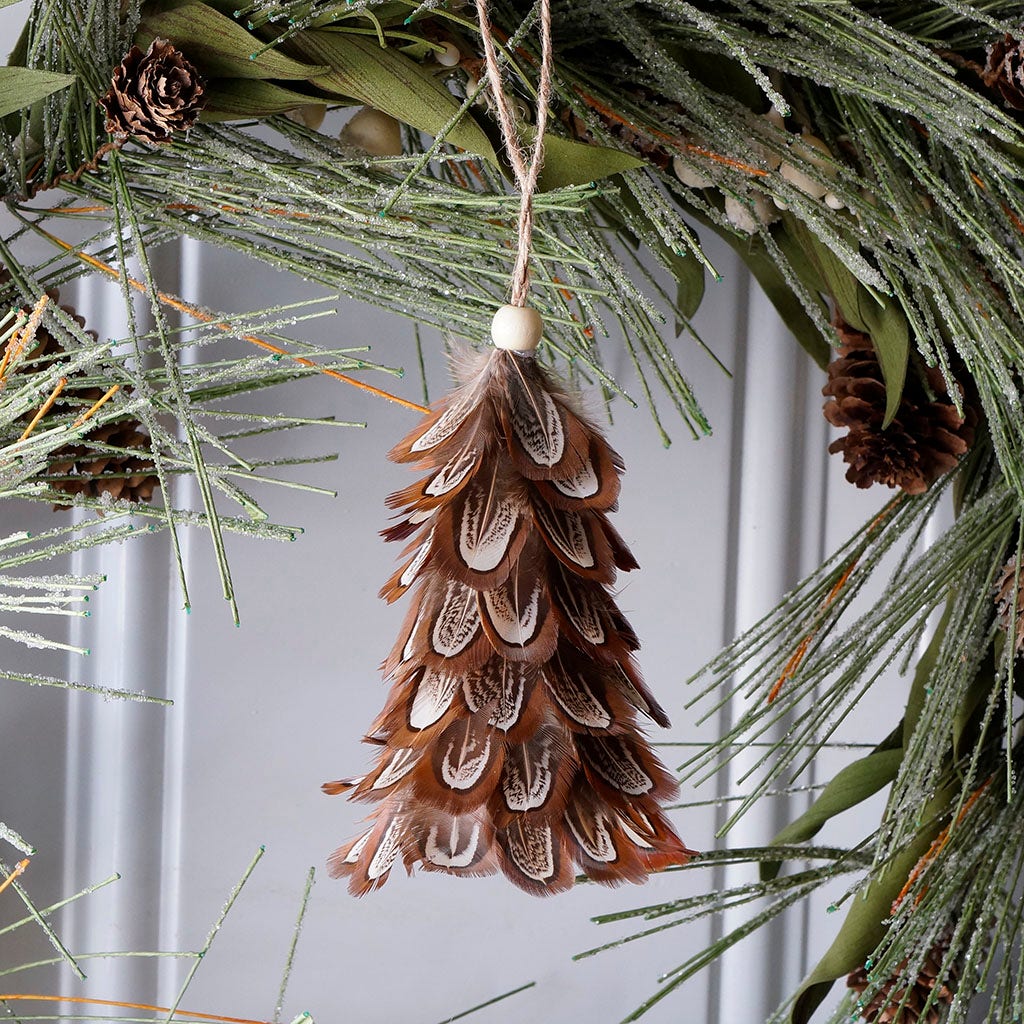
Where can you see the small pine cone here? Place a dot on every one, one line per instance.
(926, 438)
(885, 1007)
(1004, 70)
(77, 468)
(154, 94)
(80, 469)
(1008, 588)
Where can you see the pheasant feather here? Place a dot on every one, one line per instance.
(509, 741)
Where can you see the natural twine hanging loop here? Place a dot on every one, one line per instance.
(526, 174)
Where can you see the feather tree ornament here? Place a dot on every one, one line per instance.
(509, 740)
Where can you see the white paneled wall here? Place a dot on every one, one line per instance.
(178, 799)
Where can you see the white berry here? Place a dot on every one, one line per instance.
(740, 215)
(449, 56)
(517, 328)
(309, 114)
(811, 149)
(374, 132)
(688, 176)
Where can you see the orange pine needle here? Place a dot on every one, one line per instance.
(18, 341)
(19, 869)
(128, 1006)
(275, 211)
(83, 209)
(474, 168)
(564, 292)
(672, 141)
(736, 164)
(937, 846)
(45, 408)
(616, 118)
(11, 352)
(790, 668)
(198, 314)
(107, 395)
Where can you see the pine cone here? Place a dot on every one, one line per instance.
(510, 740)
(1005, 592)
(154, 94)
(885, 1007)
(925, 439)
(94, 474)
(1004, 70)
(87, 471)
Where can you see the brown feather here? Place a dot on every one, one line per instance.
(509, 740)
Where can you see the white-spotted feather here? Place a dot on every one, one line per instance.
(457, 848)
(583, 484)
(531, 848)
(444, 426)
(397, 768)
(516, 624)
(388, 848)
(465, 758)
(576, 698)
(412, 570)
(614, 762)
(457, 621)
(454, 471)
(567, 532)
(528, 775)
(486, 530)
(434, 695)
(596, 841)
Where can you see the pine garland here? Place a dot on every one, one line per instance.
(865, 160)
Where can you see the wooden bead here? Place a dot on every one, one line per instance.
(517, 328)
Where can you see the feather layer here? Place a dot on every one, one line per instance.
(509, 741)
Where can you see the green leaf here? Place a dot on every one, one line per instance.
(966, 721)
(852, 785)
(388, 15)
(864, 927)
(890, 336)
(218, 46)
(232, 98)
(838, 280)
(568, 162)
(689, 274)
(921, 684)
(384, 78)
(21, 87)
(883, 320)
(781, 295)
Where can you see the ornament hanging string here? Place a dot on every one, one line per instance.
(510, 741)
(526, 173)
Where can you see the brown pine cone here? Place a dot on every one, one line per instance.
(84, 470)
(926, 437)
(1007, 594)
(885, 1007)
(94, 474)
(1004, 70)
(154, 94)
